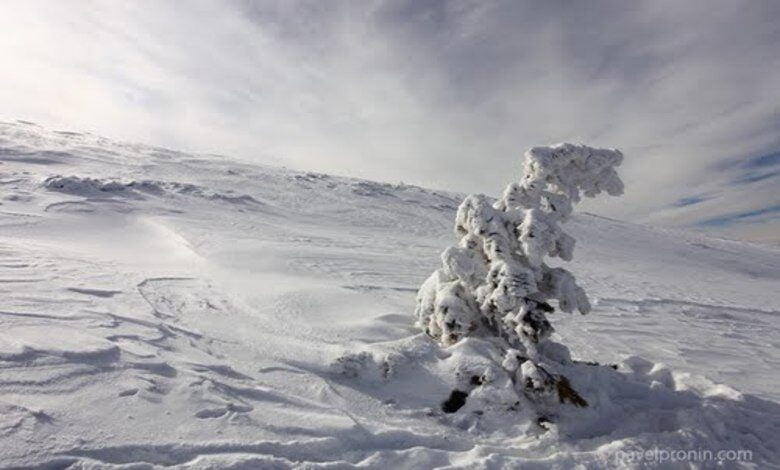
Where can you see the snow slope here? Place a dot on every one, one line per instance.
(161, 309)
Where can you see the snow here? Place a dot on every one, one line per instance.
(495, 285)
(172, 309)
(19, 342)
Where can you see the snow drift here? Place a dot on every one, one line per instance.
(150, 325)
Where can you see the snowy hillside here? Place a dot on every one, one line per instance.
(169, 309)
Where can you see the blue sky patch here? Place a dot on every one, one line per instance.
(763, 161)
(689, 201)
(739, 216)
(755, 177)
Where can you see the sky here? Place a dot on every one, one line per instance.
(443, 94)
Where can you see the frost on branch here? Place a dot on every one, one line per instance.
(495, 285)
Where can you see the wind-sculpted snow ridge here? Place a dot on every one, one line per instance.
(145, 326)
(94, 187)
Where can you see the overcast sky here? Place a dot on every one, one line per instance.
(445, 94)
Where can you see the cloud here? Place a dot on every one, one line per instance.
(439, 93)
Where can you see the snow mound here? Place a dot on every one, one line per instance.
(94, 187)
(633, 406)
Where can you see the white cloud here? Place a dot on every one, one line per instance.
(438, 93)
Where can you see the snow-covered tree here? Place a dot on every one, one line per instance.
(494, 284)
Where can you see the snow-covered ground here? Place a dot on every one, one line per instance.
(159, 308)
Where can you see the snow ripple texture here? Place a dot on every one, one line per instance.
(160, 309)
